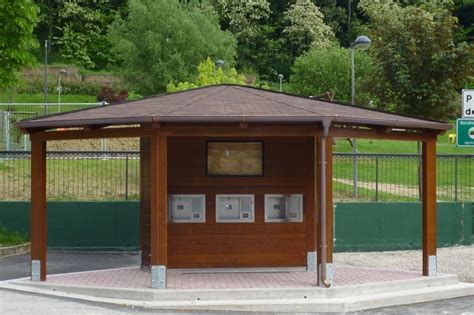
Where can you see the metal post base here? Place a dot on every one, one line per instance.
(311, 260)
(158, 277)
(329, 274)
(432, 266)
(36, 270)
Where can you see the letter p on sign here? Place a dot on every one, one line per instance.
(468, 103)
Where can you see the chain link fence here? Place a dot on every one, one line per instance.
(116, 176)
(11, 138)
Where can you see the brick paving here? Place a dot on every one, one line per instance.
(134, 277)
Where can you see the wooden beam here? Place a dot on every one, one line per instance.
(126, 132)
(38, 204)
(429, 202)
(183, 131)
(159, 201)
(379, 134)
(244, 130)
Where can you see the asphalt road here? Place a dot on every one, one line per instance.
(61, 262)
(12, 302)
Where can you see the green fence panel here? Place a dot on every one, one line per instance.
(394, 226)
(81, 225)
(358, 226)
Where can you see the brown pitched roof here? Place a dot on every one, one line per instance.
(228, 103)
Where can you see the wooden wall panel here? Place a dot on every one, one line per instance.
(288, 168)
(145, 200)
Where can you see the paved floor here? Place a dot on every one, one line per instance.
(196, 279)
(61, 262)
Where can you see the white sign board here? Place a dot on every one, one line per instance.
(467, 103)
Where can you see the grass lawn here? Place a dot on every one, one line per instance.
(9, 238)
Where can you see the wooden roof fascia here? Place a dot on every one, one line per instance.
(381, 134)
(128, 132)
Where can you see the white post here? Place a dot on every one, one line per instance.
(354, 141)
(6, 116)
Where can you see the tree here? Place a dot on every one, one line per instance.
(82, 35)
(76, 30)
(329, 70)
(208, 75)
(306, 27)
(418, 66)
(164, 40)
(17, 20)
(249, 22)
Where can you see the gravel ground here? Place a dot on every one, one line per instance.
(456, 260)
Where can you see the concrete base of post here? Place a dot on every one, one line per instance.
(158, 277)
(311, 262)
(432, 266)
(36, 270)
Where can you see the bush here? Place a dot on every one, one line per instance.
(329, 70)
(8, 238)
(110, 96)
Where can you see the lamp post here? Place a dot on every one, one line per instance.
(280, 77)
(46, 77)
(60, 88)
(362, 42)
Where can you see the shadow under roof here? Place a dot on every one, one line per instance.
(229, 103)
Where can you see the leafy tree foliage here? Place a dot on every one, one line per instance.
(418, 66)
(329, 70)
(17, 20)
(77, 30)
(306, 27)
(82, 40)
(208, 75)
(164, 40)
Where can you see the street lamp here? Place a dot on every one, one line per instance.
(280, 77)
(362, 42)
(60, 88)
(219, 64)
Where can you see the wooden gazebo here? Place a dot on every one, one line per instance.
(220, 165)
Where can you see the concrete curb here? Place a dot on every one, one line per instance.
(14, 250)
(339, 305)
(342, 299)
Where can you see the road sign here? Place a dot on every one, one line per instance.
(465, 132)
(467, 103)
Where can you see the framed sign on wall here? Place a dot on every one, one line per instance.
(234, 158)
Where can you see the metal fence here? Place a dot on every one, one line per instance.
(116, 175)
(11, 138)
(397, 177)
(73, 175)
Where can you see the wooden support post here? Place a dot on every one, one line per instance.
(38, 206)
(145, 200)
(312, 212)
(329, 201)
(429, 207)
(159, 207)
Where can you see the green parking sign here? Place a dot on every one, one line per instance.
(465, 132)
